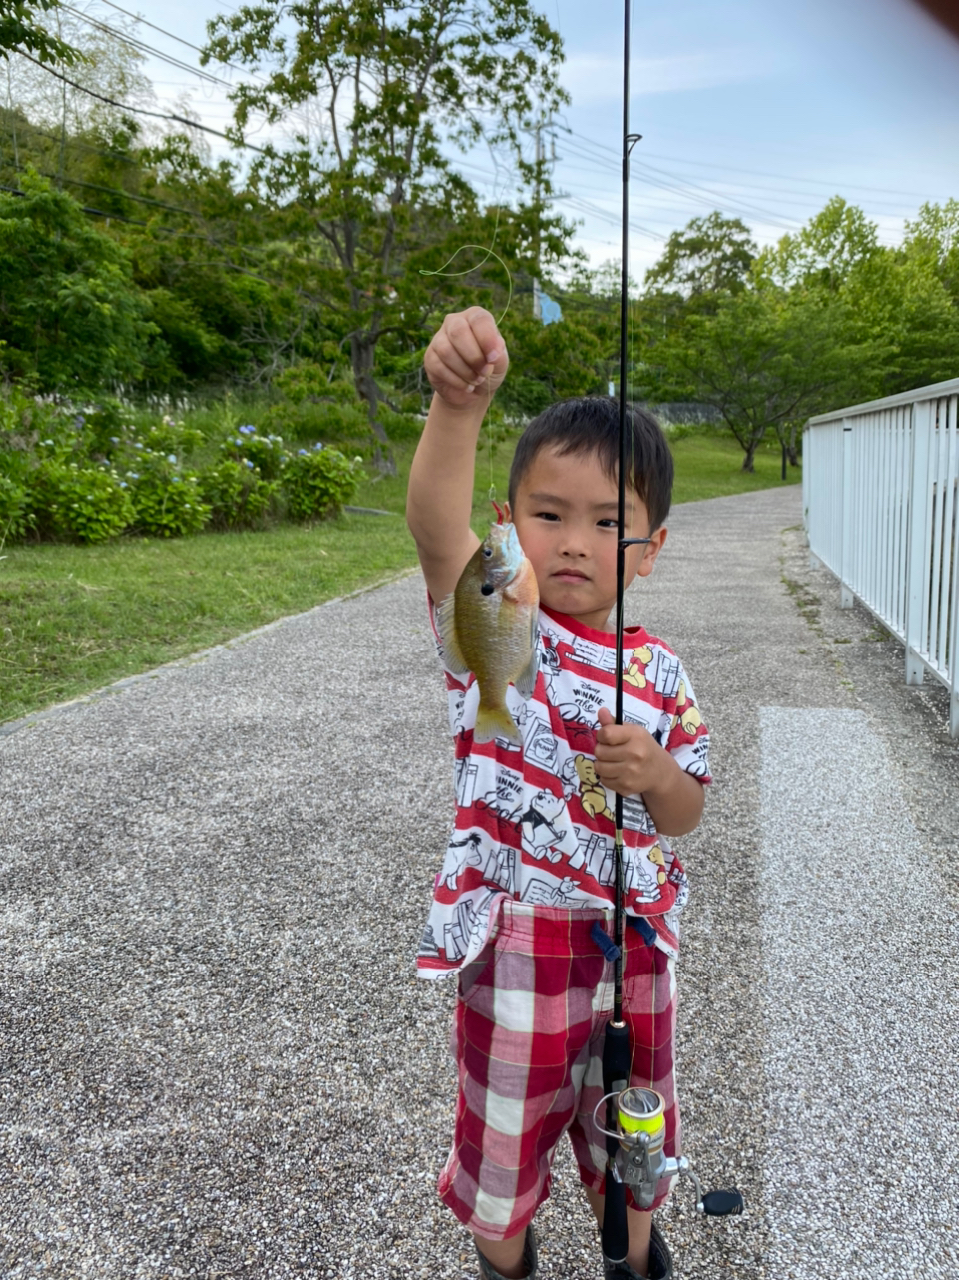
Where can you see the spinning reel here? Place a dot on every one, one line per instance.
(639, 1161)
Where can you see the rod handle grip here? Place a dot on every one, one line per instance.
(615, 1233)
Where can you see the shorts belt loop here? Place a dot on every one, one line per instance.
(604, 942)
(644, 929)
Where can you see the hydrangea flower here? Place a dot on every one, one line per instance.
(114, 439)
(247, 430)
(176, 479)
(318, 445)
(248, 463)
(301, 453)
(171, 457)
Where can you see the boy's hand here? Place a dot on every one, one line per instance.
(466, 358)
(628, 758)
(631, 761)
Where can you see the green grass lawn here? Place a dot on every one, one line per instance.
(75, 618)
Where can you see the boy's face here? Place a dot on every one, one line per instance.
(565, 514)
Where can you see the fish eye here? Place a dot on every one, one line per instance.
(487, 588)
(487, 552)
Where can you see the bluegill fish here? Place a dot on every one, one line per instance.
(488, 626)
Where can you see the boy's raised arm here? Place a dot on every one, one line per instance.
(465, 362)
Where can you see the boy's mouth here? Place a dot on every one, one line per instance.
(570, 575)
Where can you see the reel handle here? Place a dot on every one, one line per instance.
(720, 1204)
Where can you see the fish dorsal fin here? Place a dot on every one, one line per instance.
(526, 680)
(446, 625)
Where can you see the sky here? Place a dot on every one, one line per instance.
(761, 110)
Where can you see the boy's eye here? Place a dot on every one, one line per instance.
(547, 515)
(608, 523)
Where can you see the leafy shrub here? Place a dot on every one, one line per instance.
(316, 420)
(169, 436)
(15, 515)
(238, 497)
(167, 502)
(262, 453)
(90, 504)
(317, 484)
(401, 426)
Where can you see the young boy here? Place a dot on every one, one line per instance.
(529, 872)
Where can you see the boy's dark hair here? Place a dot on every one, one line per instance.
(590, 424)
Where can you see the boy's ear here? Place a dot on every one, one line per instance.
(650, 551)
(509, 512)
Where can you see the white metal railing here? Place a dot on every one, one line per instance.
(881, 511)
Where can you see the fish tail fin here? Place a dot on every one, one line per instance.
(496, 722)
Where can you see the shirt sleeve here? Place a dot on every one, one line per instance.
(688, 738)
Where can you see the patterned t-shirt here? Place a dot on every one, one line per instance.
(534, 822)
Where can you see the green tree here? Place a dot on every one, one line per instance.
(710, 256)
(934, 237)
(70, 315)
(832, 244)
(767, 358)
(22, 30)
(378, 93)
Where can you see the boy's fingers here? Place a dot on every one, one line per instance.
(450, 363)
(488, 338)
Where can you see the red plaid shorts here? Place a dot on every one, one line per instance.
(528, 1041)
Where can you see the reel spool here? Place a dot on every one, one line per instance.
(640, 1161)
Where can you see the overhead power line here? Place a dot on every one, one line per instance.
(140, 47)
(141, 111)
(169, 34)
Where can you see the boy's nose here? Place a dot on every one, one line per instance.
(573, 544)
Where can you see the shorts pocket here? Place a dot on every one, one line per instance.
(478, 973)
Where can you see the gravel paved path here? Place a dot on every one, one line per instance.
(215, 1060)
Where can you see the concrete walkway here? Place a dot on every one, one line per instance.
(215, 1060)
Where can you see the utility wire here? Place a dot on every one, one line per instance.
(140, 47)
(142, 111)
(171, 36)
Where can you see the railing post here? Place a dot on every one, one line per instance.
(918, 548)
(845, 557)
(954, 639)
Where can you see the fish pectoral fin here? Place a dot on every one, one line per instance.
(446, 625)
(525, 682)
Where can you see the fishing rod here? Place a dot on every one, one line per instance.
(635, 1126)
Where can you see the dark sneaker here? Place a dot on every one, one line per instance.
(530, 1259)
(660, 1262)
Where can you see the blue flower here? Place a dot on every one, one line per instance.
(171, 457)
(176, 479)
(123, 484)
(318, 445)
(247, 431)
(238, 442)
(301, 453)
(248, 463)
(114, 439)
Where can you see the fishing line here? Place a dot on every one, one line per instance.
(441, 271)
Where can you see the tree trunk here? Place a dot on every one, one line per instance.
(362, 350)
(791, 452)
(748, 464)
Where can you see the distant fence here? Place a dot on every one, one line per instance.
(881, 512)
